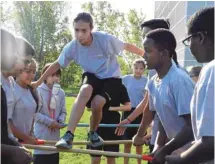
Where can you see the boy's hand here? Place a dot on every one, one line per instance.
(139, 141)
(159, 156)
(148, 137)
(20, 155)
(121, 130)
(34, 84)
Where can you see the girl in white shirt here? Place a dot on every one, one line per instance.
(21, 112)
(51, 114)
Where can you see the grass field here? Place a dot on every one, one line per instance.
(80, 135)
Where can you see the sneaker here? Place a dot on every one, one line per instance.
(65, 141)
(95, 139)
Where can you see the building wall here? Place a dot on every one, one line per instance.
(178, 12)
(192, 7)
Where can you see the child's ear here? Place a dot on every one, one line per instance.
(163, 52)
(92, 27)
(201, 37)
(166, 52)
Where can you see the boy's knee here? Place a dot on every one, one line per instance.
(97, 103)
(86, 91)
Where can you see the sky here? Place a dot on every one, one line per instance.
(147, 6)
(74, 7)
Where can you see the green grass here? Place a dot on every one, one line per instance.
(71, 89)
(80, 135)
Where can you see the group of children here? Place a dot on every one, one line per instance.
(32, 114)
(169, 103)
(12, 53)
(185, 114)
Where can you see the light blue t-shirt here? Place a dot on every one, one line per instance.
(136, 88)
(151, 73)
(99, 58)
(170, 97)
(202, 104)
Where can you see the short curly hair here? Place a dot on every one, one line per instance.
(202, 21)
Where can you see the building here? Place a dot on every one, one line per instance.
(178, 12)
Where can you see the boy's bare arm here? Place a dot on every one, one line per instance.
(52, 69)
(123, 108)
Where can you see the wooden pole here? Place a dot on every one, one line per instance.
(92, 152)
(83, 151)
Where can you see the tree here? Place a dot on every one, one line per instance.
(38, 22)
(105, 18)
(44, 25)
(132, 32)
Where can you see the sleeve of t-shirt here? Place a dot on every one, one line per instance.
(115, 45)
(124, 80)
(67, 54)
(145, 81)
(146, 87)
(124, 95)
(182, 89)
(148, 83)
(151, 73)
(151, 105)
(205, 108)
(11, 108)
(149, 86)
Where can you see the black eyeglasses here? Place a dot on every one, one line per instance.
(186, 41)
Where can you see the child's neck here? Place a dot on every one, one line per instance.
(137, 77)
(164, 70)
(23, 85)
(50, 86)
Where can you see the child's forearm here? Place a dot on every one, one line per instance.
(53, 68)
(202, 150)
(133, 49)
(17, 132)
(43, 119)
(139, 109)
(123, 108)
